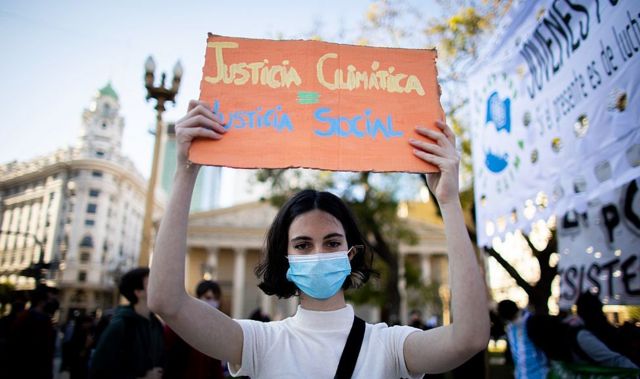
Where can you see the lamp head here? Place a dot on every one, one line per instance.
(149, 65)
(177, 70)
(149, 68)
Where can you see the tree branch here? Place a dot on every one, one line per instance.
(511, 270)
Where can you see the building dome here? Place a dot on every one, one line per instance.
(108, 91)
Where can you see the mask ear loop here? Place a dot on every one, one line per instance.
(354, 250)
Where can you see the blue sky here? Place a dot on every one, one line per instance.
(57, 54)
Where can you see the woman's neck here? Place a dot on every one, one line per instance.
(333, 303)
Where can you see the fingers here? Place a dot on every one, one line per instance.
(200, 107)
(188, 135)
(435, 160)
(444, 163)
(199, 115)
(193, 104)
(201, 121)
(426, 146)
(439, 137)
(442, 153)
(451, 136)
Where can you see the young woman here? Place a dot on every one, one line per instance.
(312, 251)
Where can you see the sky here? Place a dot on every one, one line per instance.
(56, 55)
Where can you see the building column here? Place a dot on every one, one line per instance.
(211, 266)
(402, 289)
(425, 276)
(445, 295)
(425, 265)
(240, 260)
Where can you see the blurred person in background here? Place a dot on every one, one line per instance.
(32, 336)
(572, 343)
(529, 361)
(77, 348)
(132, 344)
(184, 361)
(624, 340)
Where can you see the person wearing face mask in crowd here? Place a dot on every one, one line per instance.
(315, 250)
(183, 361)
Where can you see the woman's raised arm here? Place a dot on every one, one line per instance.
(444, 348)
(201, 325)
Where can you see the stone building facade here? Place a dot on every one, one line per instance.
(85, 204)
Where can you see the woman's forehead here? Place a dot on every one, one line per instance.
(315, 224)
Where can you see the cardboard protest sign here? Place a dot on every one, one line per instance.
(317, 105)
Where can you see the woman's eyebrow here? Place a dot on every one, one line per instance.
(331, 235)
(301, 238)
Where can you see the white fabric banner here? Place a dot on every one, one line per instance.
(600, 249)
(555, 110)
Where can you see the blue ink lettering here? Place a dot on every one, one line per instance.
(275, 118)
(371, 127)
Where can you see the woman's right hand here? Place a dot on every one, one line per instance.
(199, 122)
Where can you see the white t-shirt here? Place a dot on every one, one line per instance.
(309, 345)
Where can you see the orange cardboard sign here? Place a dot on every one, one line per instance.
(317, 105)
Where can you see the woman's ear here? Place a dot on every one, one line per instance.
(354, 250)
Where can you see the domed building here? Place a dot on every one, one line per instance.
(78, 210)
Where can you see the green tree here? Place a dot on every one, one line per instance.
(458, 35)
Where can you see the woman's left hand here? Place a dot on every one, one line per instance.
(442, 154)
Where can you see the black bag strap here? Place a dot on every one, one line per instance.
(351, 350)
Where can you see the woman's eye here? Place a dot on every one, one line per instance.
(334, 244)
(301, 246)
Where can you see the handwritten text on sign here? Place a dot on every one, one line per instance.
(316, 104)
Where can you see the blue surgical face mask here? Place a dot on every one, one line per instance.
(319, 275)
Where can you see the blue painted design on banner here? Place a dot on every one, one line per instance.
(498, 117)
(499, 112)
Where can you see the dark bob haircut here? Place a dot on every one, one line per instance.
(208, 285)
(272, 270)
(131, 281)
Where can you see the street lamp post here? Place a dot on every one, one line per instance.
(35, 269)
(161, 94)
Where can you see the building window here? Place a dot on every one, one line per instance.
(89, 222)
(82, 276)
(79, 297)
(96, 174)
(87, 241)
(91, 208)
(94, 192)
(85, 257)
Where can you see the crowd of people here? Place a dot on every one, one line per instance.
(130, 341)
(542, 345)
(126, 342)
